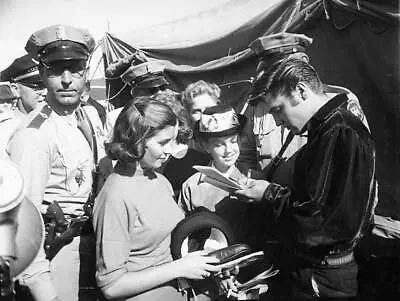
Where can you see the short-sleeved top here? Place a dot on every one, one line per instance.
(134, 215)
(55, 159)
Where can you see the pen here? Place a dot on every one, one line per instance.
(248, 176)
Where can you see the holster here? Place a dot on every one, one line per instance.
(60, 232)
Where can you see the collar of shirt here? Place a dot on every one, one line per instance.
(69, 119)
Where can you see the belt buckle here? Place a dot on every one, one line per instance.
(338, 260)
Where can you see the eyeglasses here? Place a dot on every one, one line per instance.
(77, 68)
(151, 91)
(154, 90)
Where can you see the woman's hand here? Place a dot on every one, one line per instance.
(196, 265)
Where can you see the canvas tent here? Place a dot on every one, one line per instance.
(356, 45)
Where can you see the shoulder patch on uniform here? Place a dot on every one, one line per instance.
(40, 118)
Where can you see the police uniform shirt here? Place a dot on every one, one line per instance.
(102, 131)
(9, 122)
(55, 159)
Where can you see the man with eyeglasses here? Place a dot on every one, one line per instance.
(145, 79)
(26, 91)
(54, 149)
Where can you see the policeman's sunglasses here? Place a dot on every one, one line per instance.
(57, 68)
(154, 90)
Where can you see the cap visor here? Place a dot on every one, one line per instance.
(64, 50)
(152, 82)
(64, 56)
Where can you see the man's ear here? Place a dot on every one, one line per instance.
(87, 70)
(301, 91)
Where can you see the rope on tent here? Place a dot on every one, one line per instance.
(91, 56)
(115, 95)
(293, 13)
(105, 77)
(97, 67)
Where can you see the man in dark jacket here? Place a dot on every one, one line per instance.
(328, 206)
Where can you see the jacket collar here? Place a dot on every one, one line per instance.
(325, 111)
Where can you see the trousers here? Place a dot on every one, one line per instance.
(327, 281)
(72, 274)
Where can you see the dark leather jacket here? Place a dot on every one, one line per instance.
(330, 203)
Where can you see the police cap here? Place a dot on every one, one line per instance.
(272, 49)
(137, 73)
(60, 42)
(283, 42)
(22, 69)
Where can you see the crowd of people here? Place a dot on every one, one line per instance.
(124, 179)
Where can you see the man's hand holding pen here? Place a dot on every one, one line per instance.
(254, 190)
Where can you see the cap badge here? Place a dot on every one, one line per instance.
(60, 33)
(79, 177)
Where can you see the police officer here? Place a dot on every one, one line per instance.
(26, 83)
(54, 152)
(27, 90)
(144, 77)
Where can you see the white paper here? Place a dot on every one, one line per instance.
(216, 178)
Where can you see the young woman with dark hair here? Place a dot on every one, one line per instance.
(135, 212)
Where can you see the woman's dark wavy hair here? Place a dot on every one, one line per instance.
(140, 120)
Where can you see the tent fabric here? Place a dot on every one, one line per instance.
(355, 45)
(204, 27)
(385, 10)
(209, 58)
(225, 47)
